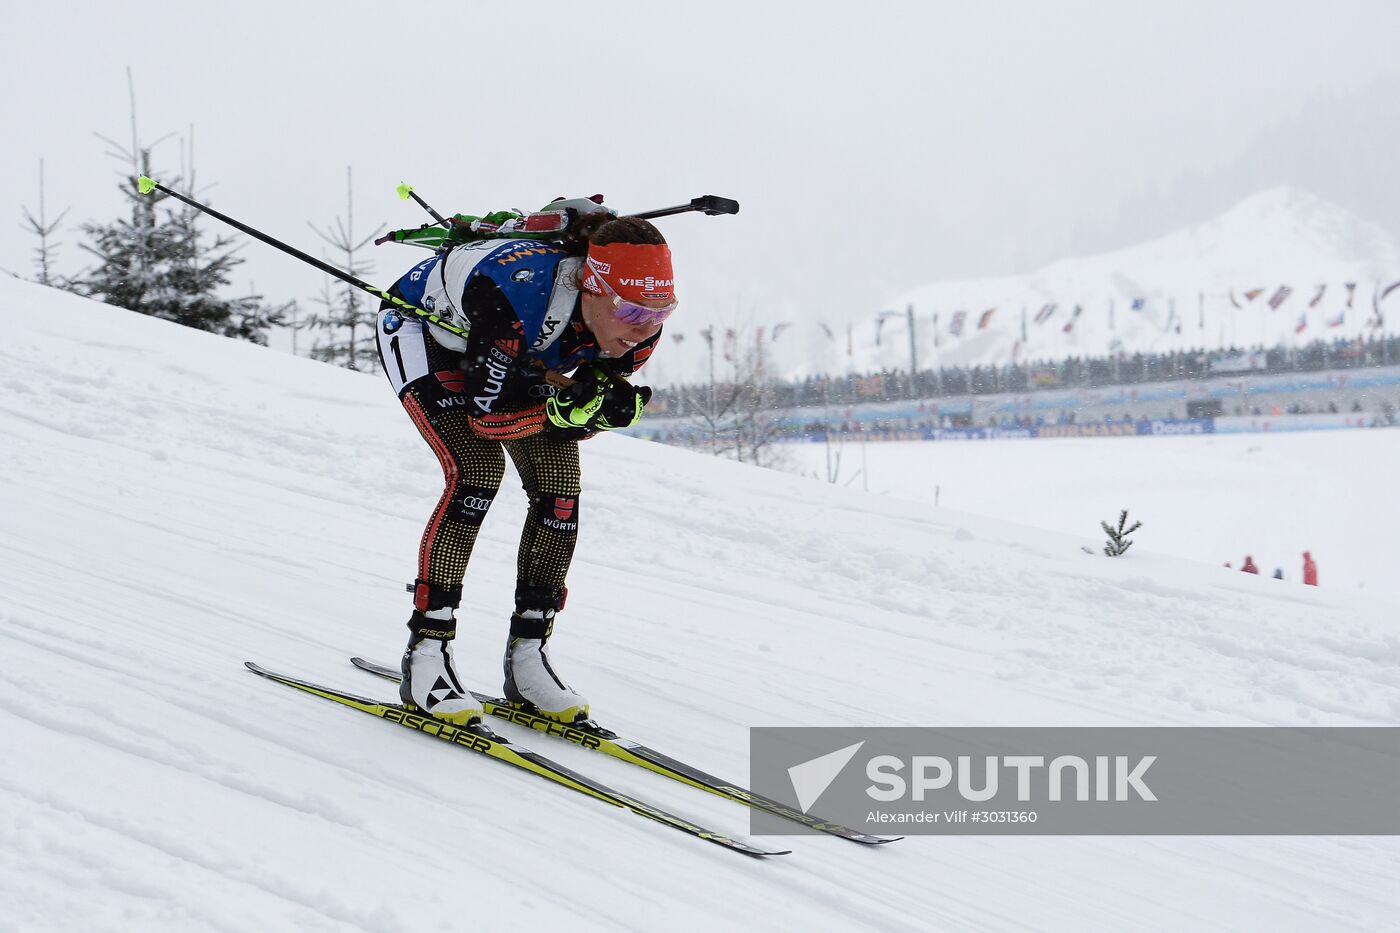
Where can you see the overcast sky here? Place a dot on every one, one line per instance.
(874, 146)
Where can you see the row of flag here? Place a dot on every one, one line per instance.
(1275, 301)
(959, 318)
(1283, 292)
(963, 320)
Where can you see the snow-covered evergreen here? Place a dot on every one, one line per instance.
(156, 261)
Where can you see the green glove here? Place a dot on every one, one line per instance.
(597, 402)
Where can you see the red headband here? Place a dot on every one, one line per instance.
(633, 271)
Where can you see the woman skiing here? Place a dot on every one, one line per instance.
(591, 305)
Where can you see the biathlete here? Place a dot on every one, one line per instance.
(591, 306)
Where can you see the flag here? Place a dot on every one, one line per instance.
(709, 335)
(1044, 313)
(1378, 321)
(1069, 325)
(1351, 292)
(779, 328)
(1253, 293)
(880, 320)
(936, 342)
(1138, 304)
(986, 318)
(1279, 297)
(1173, 322)
(1233, 300)
(1302, 324)
(678, 338)
(1339, 320)
(1318, 297)
(955, 328)
(730, 339)
(827, 330)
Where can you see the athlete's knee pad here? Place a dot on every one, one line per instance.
(471, 503)
(557, 513)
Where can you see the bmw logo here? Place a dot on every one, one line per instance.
(428, 302)
(523, 275)
(392, 321)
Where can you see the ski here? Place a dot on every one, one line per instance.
(480, 739)
(592, 736)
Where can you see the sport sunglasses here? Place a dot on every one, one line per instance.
(631, 312)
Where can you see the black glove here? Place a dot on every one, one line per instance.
(597, 402)
(622, 405)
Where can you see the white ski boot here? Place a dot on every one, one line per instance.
(429, 679)
(531, 682)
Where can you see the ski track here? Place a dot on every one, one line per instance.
(160, 523)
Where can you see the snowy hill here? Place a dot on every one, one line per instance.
(1194, 287)
(173, 503)
(1213, 498)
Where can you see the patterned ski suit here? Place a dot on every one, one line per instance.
(478, 398)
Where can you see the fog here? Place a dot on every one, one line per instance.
(874, 146)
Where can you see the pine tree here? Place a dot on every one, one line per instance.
(131, 252)
(348, 318)
(155, 262)
(1118, 543)
(44, 229)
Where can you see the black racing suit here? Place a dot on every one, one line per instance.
(478, 399)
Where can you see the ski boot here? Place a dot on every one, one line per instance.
(530, 680)
(430, 680)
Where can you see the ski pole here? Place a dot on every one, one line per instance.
(146, 185)
(406, 191)
(709, 204)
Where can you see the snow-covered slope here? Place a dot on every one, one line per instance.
(172, 503)
(1213, 498)
(1282, 236)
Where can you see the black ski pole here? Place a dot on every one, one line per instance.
(710, 204)
(146, 185)
(406, 191)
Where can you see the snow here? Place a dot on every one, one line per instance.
(1212, 498)
(1192, 283)
(174, 503)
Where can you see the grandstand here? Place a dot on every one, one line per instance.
(1336, 384)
